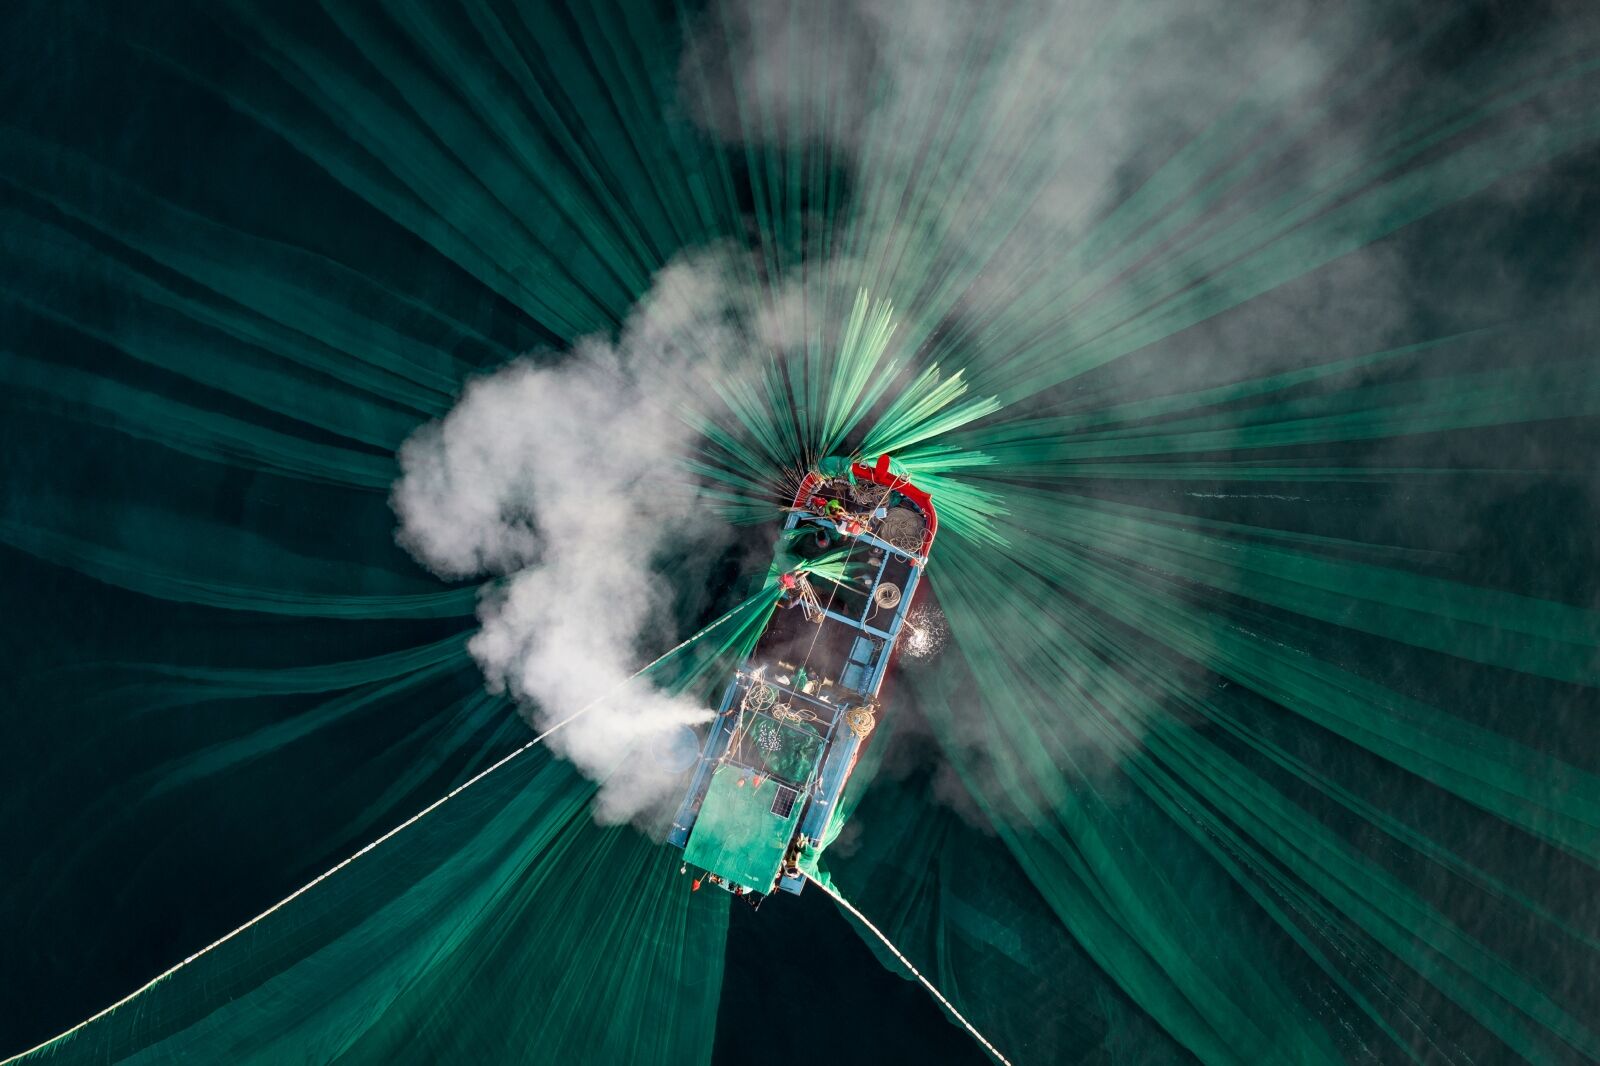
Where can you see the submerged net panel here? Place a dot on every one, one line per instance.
(1227, 823)
(504, 919)
(927, 869)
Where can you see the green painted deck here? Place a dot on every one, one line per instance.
(736, 835)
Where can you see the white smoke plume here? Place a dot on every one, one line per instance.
(990, 146)
(559, 476)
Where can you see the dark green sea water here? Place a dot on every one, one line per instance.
(238, 267)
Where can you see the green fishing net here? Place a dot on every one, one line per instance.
(1255, 722)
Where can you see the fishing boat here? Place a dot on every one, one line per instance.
(765, 791)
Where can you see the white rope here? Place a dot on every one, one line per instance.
(951, 1007)
(810, 603)
(413, 820)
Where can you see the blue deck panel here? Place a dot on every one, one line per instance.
(710, 751)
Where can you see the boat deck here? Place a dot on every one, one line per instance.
(794, 717)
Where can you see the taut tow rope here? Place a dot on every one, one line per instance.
(951, 1007)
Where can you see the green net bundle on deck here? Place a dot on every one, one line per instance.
(787, 750)
(1247, 351)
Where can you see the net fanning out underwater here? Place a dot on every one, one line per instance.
(705, 531)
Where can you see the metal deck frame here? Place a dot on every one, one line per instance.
(826, 781)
